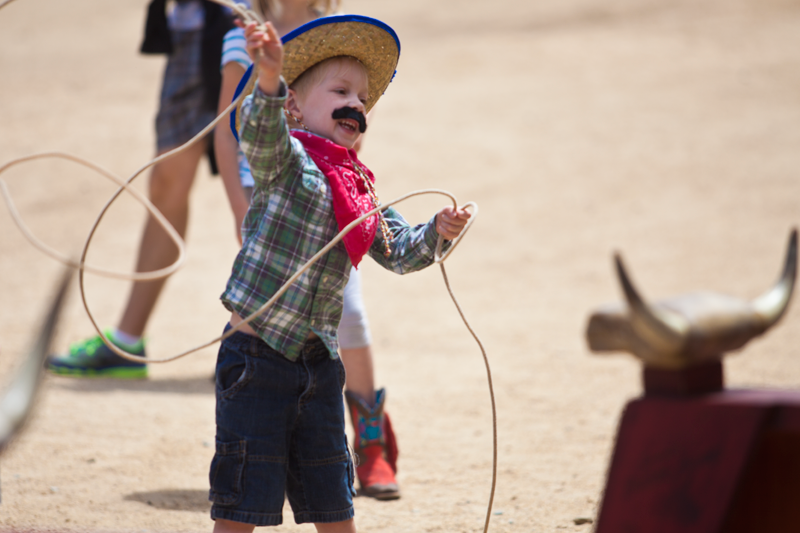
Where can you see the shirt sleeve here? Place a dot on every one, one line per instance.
(264, 136)
(412, 247)
(233, 49)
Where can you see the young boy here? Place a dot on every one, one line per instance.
(280, 414)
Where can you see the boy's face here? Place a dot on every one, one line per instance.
(342, 83)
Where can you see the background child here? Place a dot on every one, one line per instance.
(280, 418)
(375, 442)
(191, 36)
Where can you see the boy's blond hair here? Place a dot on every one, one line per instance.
(269, 9)
(314, 75)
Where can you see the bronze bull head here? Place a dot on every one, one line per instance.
(17, 400)
(691, 329)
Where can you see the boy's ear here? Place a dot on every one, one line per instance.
(292, 104)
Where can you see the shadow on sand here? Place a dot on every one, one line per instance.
(189, 385)
(173, 499)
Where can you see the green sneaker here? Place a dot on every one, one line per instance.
(92, 358)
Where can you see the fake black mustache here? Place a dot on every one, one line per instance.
(349, 112)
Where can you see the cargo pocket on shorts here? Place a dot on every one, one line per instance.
(227, 472)
(351, 469)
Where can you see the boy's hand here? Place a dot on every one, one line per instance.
(265, 50)
(450, 222)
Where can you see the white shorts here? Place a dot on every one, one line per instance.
(354, 327)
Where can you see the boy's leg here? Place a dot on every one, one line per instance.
(228, 526)
(256, 401)
(319, 482)
(348, 526)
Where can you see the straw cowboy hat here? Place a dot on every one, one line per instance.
(369, 40)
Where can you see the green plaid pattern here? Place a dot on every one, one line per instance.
(289, 220)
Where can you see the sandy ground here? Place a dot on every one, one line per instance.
(669, 131)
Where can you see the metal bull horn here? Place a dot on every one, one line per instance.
(17, 400)
(691, 329)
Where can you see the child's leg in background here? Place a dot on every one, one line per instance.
(374, 440)
(181, 115)
(360, 372)
(354, 342)
(170, 184)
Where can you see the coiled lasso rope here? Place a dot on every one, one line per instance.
(124, 185)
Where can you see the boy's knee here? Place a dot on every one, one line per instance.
(228, 526)
(348, 526)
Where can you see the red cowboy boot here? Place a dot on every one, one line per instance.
(375, 447)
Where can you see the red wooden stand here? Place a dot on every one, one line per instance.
(693, 458)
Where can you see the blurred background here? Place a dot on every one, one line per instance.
(667, 131)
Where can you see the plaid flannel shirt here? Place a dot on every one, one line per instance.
(290, 219)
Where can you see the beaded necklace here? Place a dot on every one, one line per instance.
(387, 237)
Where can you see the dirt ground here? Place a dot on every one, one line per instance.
(669, 131)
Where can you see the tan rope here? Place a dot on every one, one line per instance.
(58, 256)
(491, 395)
(82, 267)
(269, 303)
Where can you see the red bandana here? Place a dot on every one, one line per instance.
(350, 196)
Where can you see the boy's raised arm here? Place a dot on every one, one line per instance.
(265, 50)
(264, 137)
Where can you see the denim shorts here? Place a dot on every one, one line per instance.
(280, 431)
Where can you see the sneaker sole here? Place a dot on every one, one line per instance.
(381, 493)
(118, 373)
